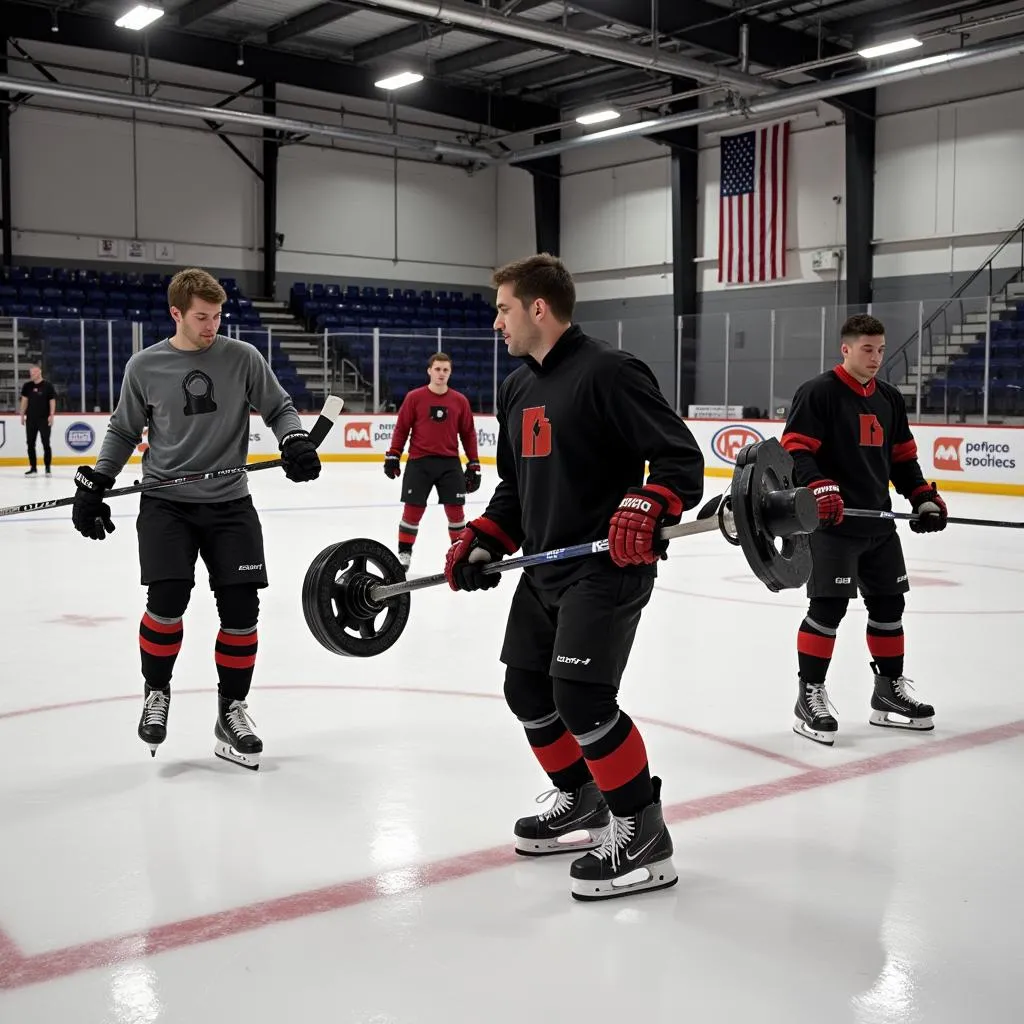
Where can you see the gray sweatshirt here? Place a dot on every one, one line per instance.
(196, 405)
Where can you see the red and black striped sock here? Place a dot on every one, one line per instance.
(814, 646)
(235, 655)
(617, 759)
(456, 520)
(159, 643)
(885, 642)
(557, 752)
(409, 526)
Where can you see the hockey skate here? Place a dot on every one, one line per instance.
(893, 708)
(236, 742)
(813, 718)
(576, 821)
(635, 856)
(405, 559)
(153, 721)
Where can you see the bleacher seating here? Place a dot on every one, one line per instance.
(409, 322)
(57, 306)
(961, 389)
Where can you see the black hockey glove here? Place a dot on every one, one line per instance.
(481, 542)
(299, 458)
(393, 465)
(927, 503)
(90, 514)
(472, 477)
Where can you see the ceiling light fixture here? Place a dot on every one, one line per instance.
(139, 17)
(598, 116)
(884, 49)
(399, 81)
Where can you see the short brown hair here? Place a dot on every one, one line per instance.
(439, 357)
(194, 283)
(540, 277)
(861, 324)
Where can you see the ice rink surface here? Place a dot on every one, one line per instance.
(365, 873)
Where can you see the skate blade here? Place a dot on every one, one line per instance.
(801, 728)
(572, 842)
(226, 752)
(650, 878)
(896, 721)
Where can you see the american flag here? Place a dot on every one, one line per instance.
(752, 205)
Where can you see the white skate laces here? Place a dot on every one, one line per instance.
(154, 711)
(239, 720)
(563, 802)
(617, 837)
(900, 686)
(817, 699)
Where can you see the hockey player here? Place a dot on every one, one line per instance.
(848, 434)
(194, 392)
(437, 416)
(576, 423)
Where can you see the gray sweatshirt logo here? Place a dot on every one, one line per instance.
(198, 390)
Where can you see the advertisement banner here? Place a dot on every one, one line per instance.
(986, 460)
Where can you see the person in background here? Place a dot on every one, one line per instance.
(437, 417)
(38, 406)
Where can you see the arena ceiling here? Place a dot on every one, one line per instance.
(519, 65)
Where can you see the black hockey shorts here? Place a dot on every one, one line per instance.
(441, 471)
(583, 631)
(842, 563)
(227, 534)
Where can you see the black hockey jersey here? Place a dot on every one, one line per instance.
(857, 435)
(574, 433)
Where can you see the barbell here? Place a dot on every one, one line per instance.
(355, 596)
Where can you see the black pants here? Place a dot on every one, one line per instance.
(844, 563)
(441, 471)
(42, 429)
(584, 631)
(227, 534)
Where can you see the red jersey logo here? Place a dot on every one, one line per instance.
(871, 433)
(536, 433)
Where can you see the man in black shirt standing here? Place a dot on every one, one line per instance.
(38, 405)
(848, 434)
(576, 424)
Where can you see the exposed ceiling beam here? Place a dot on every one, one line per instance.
(771, 44)
(508, 47)
(553, 71)
(307, 21)
(373, 49)
(197, 50)
(197, 9)
(861, 26)
(544, 36)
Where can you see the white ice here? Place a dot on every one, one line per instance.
(365, 873)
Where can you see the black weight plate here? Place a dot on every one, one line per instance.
(779, 562)
(334, 598)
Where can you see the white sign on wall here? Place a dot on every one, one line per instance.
(136, 251)
(107, 248)
(163, 252)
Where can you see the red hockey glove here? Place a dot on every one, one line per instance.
(393, 465)
(926, 502)
(633, 529)
(481, 542)
(472, 477)
(830, 502)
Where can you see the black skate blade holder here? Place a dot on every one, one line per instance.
(355, 595)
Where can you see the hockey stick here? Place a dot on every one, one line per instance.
(327, 418)
(870, 513)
